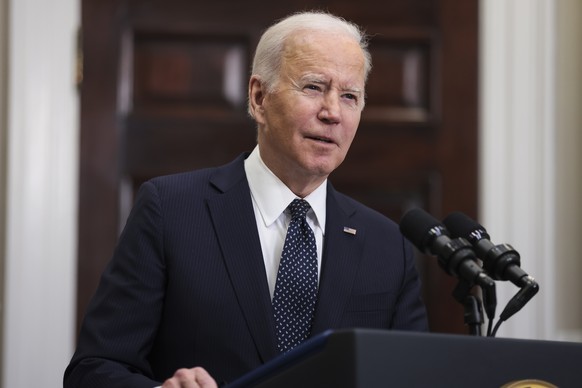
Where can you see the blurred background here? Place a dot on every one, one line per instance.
(473, 106)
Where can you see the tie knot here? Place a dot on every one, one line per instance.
(298, 208)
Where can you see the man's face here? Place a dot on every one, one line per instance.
(307, 124)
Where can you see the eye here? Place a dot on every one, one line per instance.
(312, 87)
(351, 98)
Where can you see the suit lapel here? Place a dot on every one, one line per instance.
(234, 221)
(341, 257)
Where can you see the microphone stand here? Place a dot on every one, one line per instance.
(473, 316)
(473, 305)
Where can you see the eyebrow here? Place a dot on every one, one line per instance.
(313, 78)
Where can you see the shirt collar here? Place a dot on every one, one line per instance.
(272, 196)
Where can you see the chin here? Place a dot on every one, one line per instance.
(322, 169)
(320, 165)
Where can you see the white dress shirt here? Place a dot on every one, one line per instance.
(270, 200)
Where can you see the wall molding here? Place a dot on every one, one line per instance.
(523, 179)
(42, 169)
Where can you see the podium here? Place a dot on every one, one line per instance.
(359, 358)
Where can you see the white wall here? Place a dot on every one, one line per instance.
(530, 171)
(41, 192)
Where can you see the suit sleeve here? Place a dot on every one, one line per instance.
(121, 321)
(410, 312)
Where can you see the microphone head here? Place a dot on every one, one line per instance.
(420, 228)
(460, 225)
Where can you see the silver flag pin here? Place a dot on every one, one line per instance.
(349, 230)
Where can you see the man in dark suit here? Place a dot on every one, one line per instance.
(194, 287)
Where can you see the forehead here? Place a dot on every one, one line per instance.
(329, 54)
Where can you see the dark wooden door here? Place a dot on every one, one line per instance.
(164, 90)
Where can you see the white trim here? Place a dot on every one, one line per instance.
(41, 193)
(521, 199)
(516, 161)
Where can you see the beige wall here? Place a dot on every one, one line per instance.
(569, 168)
(3, 149)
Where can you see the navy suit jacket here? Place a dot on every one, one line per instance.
(187, 284)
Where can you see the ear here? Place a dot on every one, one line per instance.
(257, 94)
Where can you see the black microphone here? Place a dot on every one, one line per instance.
(455, 256)
(502, 262)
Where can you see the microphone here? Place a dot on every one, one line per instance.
(455, 256)
(502, 262)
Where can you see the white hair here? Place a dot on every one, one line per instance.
(269, 51)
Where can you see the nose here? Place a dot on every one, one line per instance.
(330, 108)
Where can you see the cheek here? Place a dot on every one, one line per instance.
(286, 111)
(298, 117)
(304, 108)
(351, 122)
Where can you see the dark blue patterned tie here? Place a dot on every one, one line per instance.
(296, 286)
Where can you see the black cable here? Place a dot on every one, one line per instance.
(489, 327)
(499, 322)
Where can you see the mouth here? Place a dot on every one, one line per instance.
(320, 139)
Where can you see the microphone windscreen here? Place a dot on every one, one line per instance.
(416, 225)
(460, 225)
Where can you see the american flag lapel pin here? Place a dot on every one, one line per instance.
(349, 230)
